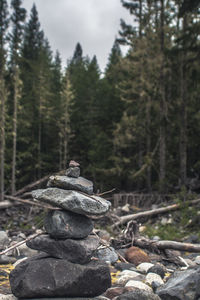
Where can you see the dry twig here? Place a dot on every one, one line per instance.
(31, 237)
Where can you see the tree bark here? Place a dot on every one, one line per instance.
(162, 174)
(148, 140)
(2, 136)
(16, 90)
(183, 114)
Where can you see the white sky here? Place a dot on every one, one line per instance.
(93, 23)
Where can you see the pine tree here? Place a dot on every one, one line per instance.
(55, 112)
(36, 76)
(17, 18)
(79, 107)
(64, 121)
(3, 93)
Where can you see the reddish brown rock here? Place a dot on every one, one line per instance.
(73, 163)
(136, 256)
(113, 292)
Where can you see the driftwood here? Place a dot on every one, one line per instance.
(5, 204)
(34, 184)
(133, 237)
(107, 192)
(149, 213)
(26, 201)
(31, 186)
(31, 237)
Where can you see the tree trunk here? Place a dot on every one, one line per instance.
(39, 128)
(60, 151)
(2, 136)
(148, 140)
(183, 116)
(162, 174)
(16, 81)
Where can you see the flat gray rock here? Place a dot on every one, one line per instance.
(50, 277)
(138, 295)
(73, 201)
(4, 240)
(107, 255)
(76, 251)
(64, 224)
(182, 285)
(69, 183)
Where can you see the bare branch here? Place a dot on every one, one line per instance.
(31, 237)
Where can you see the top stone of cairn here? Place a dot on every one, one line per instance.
(73, 164)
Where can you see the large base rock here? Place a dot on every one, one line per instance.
(73, 201)
(76, 251)
(65, 224)
(50, 277)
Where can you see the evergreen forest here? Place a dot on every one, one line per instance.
(135, 127)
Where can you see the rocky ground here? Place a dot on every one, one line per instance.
(136, 273)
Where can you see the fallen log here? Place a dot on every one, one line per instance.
(32, 185)
(162, 245)
(26, 201)
(5, 204)
(132, 237)
(149, 213)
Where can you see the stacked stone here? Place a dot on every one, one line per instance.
(65, 268)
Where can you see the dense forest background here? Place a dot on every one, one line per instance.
(134, 127)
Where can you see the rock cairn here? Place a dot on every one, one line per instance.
(65, 268)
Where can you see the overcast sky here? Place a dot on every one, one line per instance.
(93, 23)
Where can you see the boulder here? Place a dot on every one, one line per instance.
(153, 277)
(107, 254)
(73, 201)
(4, 239)
(127, 275)
(182, 285)
(6, 259)
(138, 295)
(136, 256)
(144, 267)
(42, 277)
(158, 269)
(122, 280)
(69, 183)
(73, 172)
(76, 251)
(64, 224)
(7, 297)
(139, 285)
(114, 291)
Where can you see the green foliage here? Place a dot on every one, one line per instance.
(114, 123)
